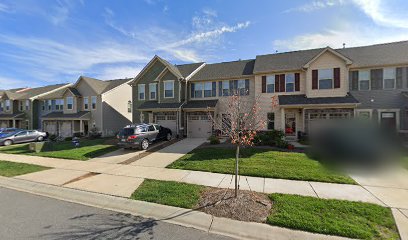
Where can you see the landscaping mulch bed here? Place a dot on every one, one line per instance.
(248, 206)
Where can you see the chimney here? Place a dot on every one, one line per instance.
(344, 45)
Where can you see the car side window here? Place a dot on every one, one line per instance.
(21, 133)
(151, 128)
(157, 127)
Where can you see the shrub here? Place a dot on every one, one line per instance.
(53, 137)
(214, 140)
(68, 139)
(271, 138)
(94, 133)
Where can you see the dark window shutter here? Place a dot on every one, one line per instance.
(263, 84)
(277, 89)
(336, 74)
(214, 89)
(376, 79)
(246, 86)
(354, 80)
(192, 90)
(220, 88)
(282, 83)
(315, 79)
(231, 87)
(399, 77)
(297, 82)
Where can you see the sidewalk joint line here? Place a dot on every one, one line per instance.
(313, 189)
(375, 196)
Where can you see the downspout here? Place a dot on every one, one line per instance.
(185, 101)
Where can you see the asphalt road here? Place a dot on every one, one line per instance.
(28, 216)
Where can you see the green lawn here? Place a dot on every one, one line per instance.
(168, 193)
(11, 169)
(333, 217)
(260, 163)
(87, 150)
(405, 162)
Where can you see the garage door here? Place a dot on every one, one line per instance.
(3, 124)
(50, 127)
(199, 126)
(66, 129)
(168, 121)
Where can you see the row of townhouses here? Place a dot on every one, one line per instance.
(369, 82)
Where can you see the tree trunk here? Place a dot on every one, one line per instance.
(236, 171)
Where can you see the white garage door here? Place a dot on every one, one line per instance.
(168, 121)
(66, 129)
(3, 124)
(199, 126)
(50, 127)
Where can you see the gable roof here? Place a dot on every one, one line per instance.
(235, 69)
(328, 49)
(32, 92)
(100, 86)
(394, 53)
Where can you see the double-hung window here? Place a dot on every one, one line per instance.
(70, 103)
(49, 105)
(168, 89)
(364, 80)
(241, 88)
(59, 104)
(198, 90)
(271, 121)
(152, 91)
(129, 106)
(326, 78)
(225, 88)
(290, 82)
(7, 105)
(270, 84)
(86, 103)
(389, 78)
(27, 105)
(141, 91)
(208, 89)
(93, 102)
(20, 105)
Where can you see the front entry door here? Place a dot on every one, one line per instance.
(389, 121)
(290, 124)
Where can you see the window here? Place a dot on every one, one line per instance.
(198, 90)
(270, 84)
(271, 121)
(93, 102)
(141, 91)
(325, 78)
(86, 103)
(365, 115)
(389, 78)
(207, 89)
(129, 106)
(44, 102)
(290, 82)
(1, 106)
(70, 103)
(27, 105)
(241, 87)
(225, 88)
(364, 80)
(49, 106)
(7, 105)
(20, 105)
(151, 128)
(169, 89)
(59, 104)
(152, 91)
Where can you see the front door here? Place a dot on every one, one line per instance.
(86, 127)
(290, 124)
(389, 121)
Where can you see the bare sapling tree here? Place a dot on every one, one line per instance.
(239, 122)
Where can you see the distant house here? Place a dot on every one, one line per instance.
(89, 104)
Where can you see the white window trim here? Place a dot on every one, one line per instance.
(397, 116)
(68, 103)
(369, 80)
(164, 88)
(357, 111)
(7, 104)
(138, 91)
(96, 102)
(286, 82)
(318, 79)
(150, 91)
(272, 77)
(395, 79)
(86, 108)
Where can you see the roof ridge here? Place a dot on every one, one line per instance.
(373, 45)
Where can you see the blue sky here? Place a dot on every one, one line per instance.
(45, 42)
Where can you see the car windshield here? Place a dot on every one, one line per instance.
(127, 132)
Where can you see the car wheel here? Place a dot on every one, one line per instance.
(8, 143)
(168, 137)
(40, 138)
(144, 144)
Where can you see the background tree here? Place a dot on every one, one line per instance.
(240, 123)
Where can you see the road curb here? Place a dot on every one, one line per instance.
(179, 216)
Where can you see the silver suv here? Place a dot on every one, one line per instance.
(142, 135)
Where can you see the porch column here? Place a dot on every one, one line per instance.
(14, 123)
(303, 120)
(282, 119)
(81, 127)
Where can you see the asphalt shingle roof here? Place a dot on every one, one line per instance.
(187, 69)
(225, 70)
(201, 104)
(154, 104)
(31, 92)
(301, 99)
(100, 86)
(11, 115)
(61, 115)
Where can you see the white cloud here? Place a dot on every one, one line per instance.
(5, 8)
(109, 73)
(9, 83)
(357, 36)
(378, 11)
(316, 5)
